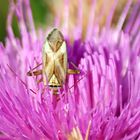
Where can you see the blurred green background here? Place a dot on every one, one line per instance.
(44, 12)
(40, 9)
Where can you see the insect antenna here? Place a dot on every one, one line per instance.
(20, 79)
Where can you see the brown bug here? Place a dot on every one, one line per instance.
(55, 61)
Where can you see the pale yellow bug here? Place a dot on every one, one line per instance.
(54, 61)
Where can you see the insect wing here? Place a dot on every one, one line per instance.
(61, 64)
(54, 64)
(48, 65)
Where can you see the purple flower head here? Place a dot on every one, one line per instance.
(100, 103)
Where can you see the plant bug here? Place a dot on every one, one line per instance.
(54, 61)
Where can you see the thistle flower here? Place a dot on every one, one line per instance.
(100, 103)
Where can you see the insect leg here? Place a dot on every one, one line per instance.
(71, 71)
(34, 73)
(37, 66)
(74, 65)
(20, 79)
(40, 80)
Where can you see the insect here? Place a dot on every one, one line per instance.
(54, 61)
